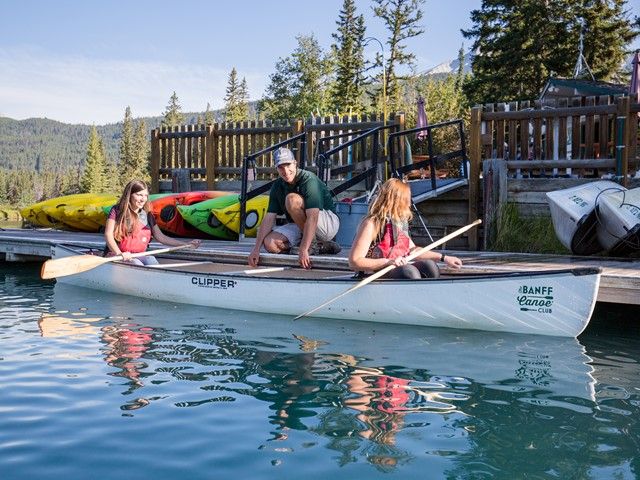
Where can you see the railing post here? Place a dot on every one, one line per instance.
(244, 186)
(494, 177)
(432, 162)
(155, 161)
(297, 127)
(623, 143)
(210, 156)
(475, 147)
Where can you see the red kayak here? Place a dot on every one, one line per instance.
(168, 217)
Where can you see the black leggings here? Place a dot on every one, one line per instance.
(414, 271)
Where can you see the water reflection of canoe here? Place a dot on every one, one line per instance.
(557, 303)
(550, 366)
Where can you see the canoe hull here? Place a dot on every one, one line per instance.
(551, 303)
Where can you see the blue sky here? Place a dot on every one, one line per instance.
(85, 61)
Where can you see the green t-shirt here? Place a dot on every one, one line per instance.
(314, 192)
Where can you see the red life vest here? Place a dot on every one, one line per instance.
(394, 243)
(138, 240)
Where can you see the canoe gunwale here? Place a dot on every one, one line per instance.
(333, 274)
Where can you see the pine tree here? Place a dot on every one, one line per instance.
(113, 181)
(350, 63)
(277, 102)
(92, 180)
(231, 96)
(402, 20)
(243, 96)
(126, 155)
(173, 113)
(608, 32)
(236, 100)
(142, 153)
(301, 85)
(208, 115)
(520, 44)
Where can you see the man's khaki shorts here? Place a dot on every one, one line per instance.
(328, 224)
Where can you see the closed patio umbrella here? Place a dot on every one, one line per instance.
(422, 120)
(634, 85)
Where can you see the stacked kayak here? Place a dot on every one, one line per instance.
(169, 218)
(106, 209)
(73, 212)
(229, 216)
(200, 216)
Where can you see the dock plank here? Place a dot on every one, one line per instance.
(620, 281)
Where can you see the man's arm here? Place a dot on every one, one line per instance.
(263, 230)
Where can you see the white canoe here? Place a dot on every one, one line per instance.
(556, 303)
(573, 212)
(618, 215)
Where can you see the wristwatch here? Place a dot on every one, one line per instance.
(442, 257)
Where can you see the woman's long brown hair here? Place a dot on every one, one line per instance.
(392, 203)
(127, 216)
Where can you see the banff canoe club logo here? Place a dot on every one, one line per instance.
(535, 299)
(208, 282)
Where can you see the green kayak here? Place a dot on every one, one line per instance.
(200, 216)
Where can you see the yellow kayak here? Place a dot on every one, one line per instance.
(35, 214)
(91, 215)
(230, 216)
(69, 211)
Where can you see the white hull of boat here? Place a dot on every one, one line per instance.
(556, 303)
(619, 221)
(574, 216)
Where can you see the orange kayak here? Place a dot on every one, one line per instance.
(168, 217)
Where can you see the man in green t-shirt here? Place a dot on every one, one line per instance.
(310, 211)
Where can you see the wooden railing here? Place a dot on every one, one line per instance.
(577, 137)
(214, 153)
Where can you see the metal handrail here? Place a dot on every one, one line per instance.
(322, 159)
(398, 171)
(246, 195)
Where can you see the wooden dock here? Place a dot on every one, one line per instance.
(620, 282)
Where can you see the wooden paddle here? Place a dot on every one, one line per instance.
(61, 267)
(379, 273)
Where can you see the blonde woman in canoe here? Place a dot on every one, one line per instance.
(383, 238)
(131, 226)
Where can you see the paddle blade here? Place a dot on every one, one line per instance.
(61, 267)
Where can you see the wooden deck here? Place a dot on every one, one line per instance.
(620, 281)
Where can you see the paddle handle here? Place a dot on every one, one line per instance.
(147, 253)
(60, 267)
(388, 268)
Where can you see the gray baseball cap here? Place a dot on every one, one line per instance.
(282, 156)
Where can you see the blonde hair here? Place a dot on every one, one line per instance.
(127, 216)
(392, 203)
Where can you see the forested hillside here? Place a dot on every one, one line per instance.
(40, 144)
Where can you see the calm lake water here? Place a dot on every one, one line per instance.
(102, 386)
